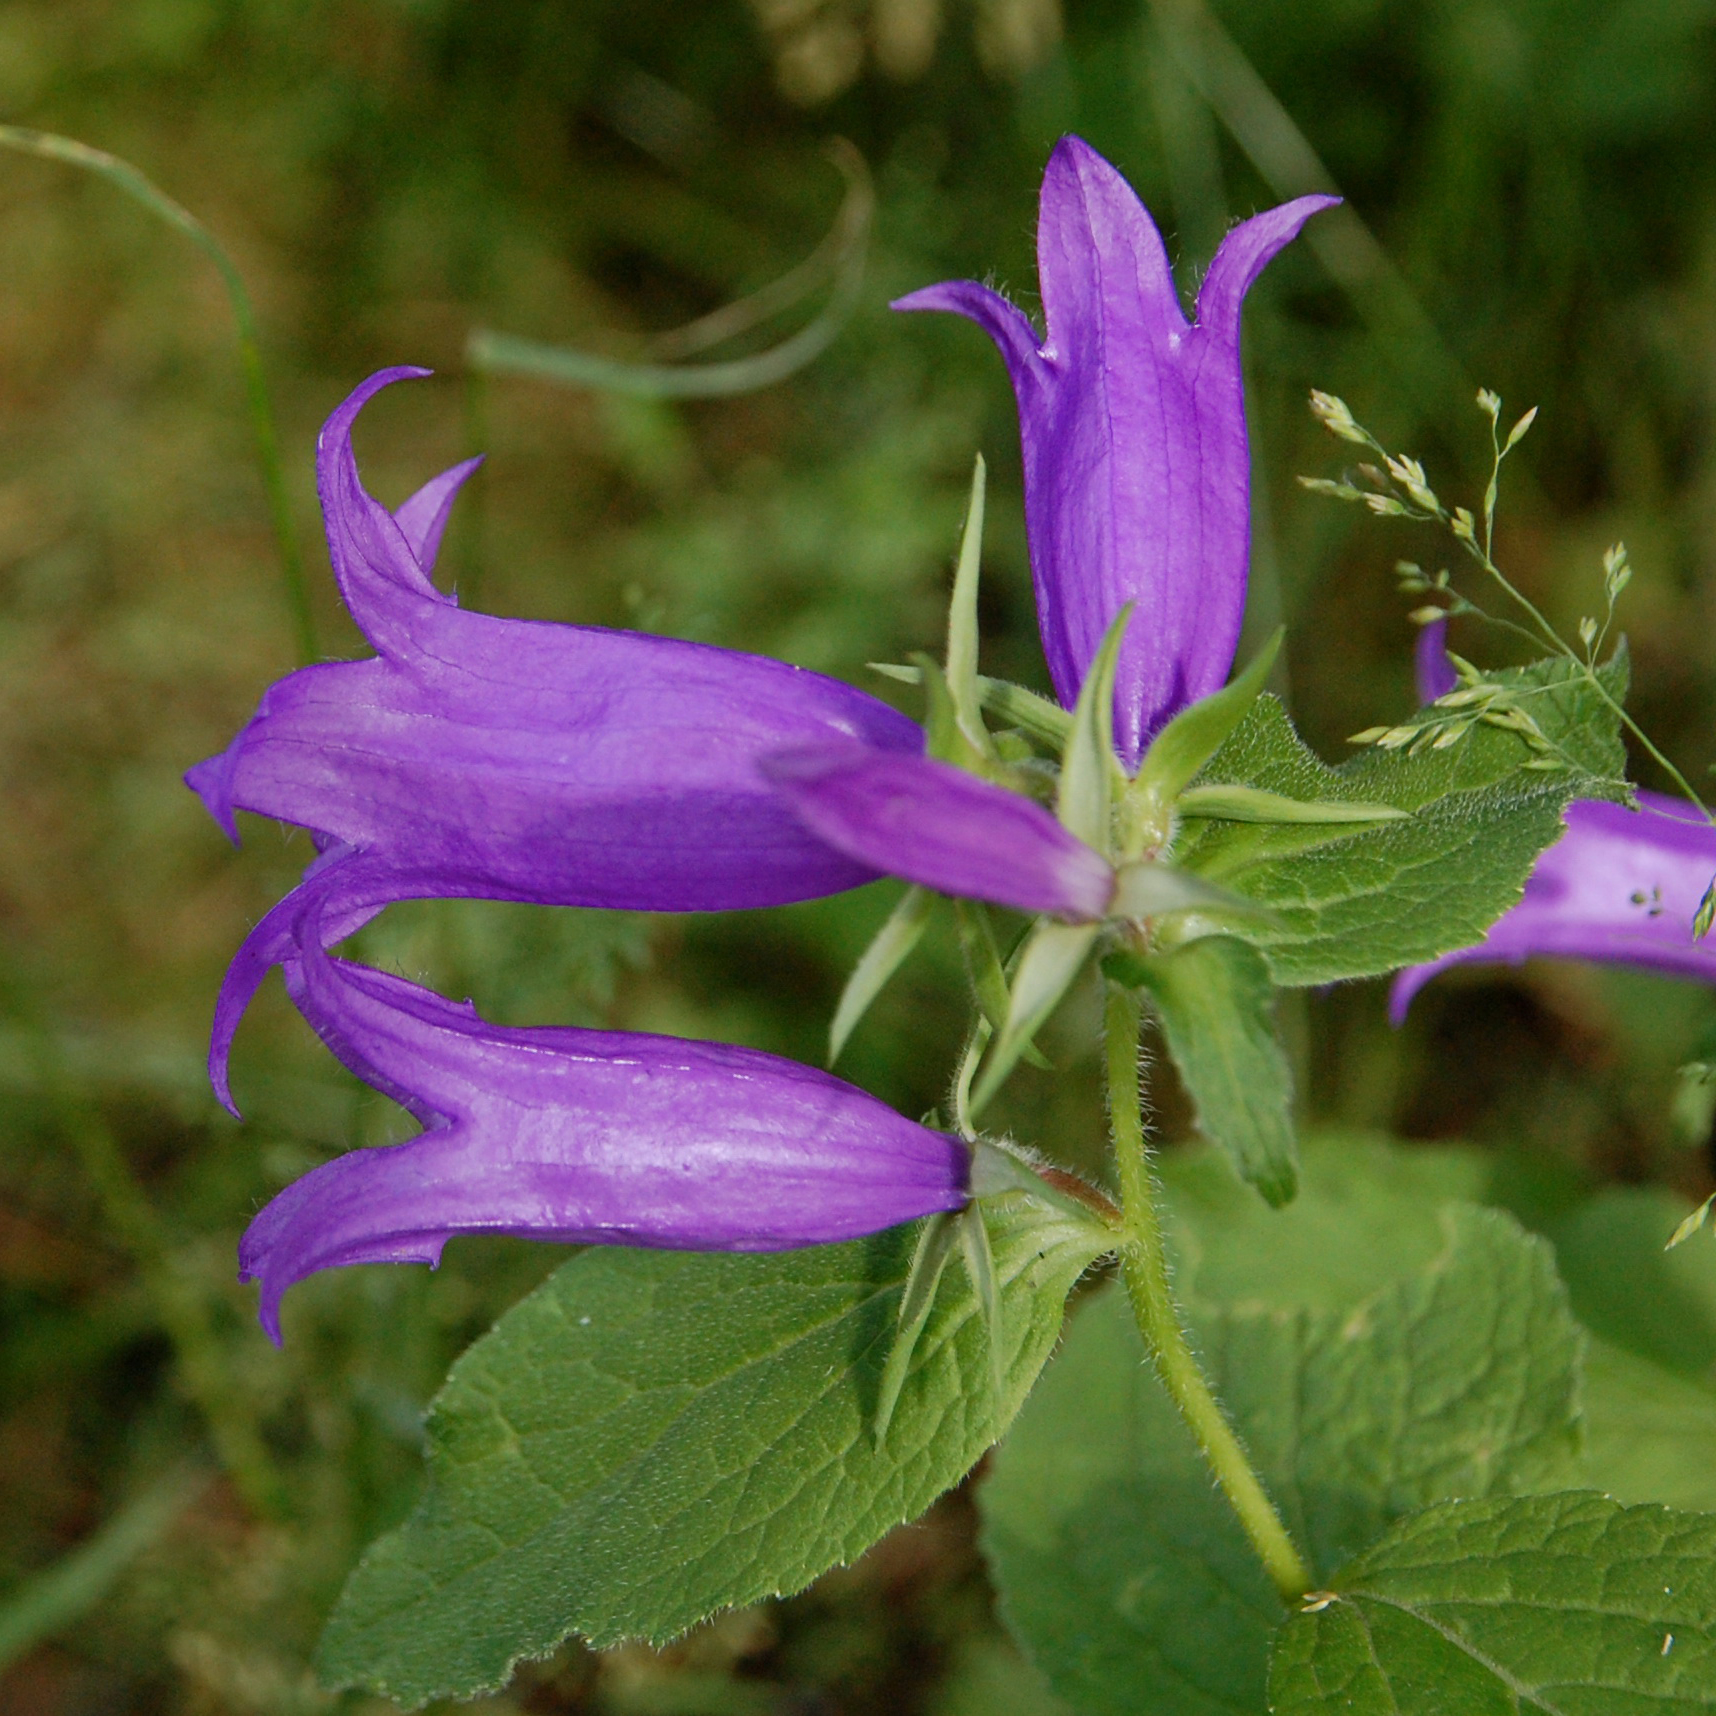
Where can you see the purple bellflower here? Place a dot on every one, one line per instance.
(580, 1137)
(521, 760)
(1132, 425)
(1620, 886)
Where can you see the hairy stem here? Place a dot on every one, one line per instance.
(1144, 1265)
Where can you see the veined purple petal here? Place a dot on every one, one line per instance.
(939, 826)
(1433, 670)
(582, 1137)
(520, 760)
(1619, 887)
(1132, 424)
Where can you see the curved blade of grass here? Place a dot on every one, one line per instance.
(49, 147)
(51, 1600)
(849, 239)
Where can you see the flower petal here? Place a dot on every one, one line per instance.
(1434, 672)
(423, 518)
(942, 828)
(582, 1137)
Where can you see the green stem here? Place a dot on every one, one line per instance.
(1144, 1265)
(127, 178)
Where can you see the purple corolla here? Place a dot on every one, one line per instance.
(522, 760)
(1620, 886)
(935, 825)
(583, 1137)
(1132, 424)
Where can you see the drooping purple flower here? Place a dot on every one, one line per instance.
(1132, 424)
(522, 760)
(1620, 886)
(581, 1137)
(935, 825)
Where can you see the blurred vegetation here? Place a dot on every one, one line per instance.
(1533, 195)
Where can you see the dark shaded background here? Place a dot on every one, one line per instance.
(1540, 174)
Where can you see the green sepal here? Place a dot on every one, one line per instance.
(1053, 955)
(945, 738)
(961, 660)
(887, 952)
(1253, 804)
(1089, 772)
(1041, 717)
(980, 1267)
(986, 971)
(1189, 741)
(929, 1258)
(1214, 1001)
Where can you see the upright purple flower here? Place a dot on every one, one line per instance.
(582, 1137)
(1132, 423)
(520, 760)
(1620, 886)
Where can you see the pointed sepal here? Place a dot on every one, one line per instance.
(887, 952)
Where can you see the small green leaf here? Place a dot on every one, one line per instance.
(1088, 769)
(1053, 955)
(962, 617)
(893, 943)
(1555, 1603)
(945, 737)
(654, 1435)
(1216, 1006)
(1188, 742)
(980, 1268)
(1251, 804)
(1124, 1574)
(1029, 711)
(983, 965)
(1691, 1224)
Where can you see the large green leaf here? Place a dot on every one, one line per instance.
(1567, 1603)
(1358, 902)
(1121, 1570)
(1649, 1435)
(652, 1436)
(1216, 1007)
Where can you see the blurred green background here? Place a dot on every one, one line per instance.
(1534, 184)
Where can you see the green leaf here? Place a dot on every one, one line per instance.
(1216, 1006)
(1182, 748)
(654, 1435)
(893, 943)
(1566, 1603)
(1356, 902)
(1121, 1570)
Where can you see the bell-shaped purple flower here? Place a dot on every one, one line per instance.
(522, 760)
(1132, 424)
(1620, 886)
(581, 1137)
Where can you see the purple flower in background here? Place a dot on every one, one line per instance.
(1620, 886)
(581, 1137)
(521, 760)
(1132, 424)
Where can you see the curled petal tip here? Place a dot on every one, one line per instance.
(211, 781)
